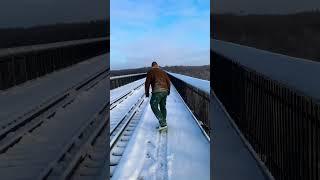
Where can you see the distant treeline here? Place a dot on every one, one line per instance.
(201, 72)
(128, 71)
(296, 35)
(12, 37)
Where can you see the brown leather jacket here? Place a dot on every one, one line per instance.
(159, 81)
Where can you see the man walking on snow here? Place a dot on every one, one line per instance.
(160, 84)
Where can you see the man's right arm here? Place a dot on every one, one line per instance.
(168, 83)
(147, 84)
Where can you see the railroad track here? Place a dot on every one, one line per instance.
(121, 122)
(12, 130)
(120, 112)
(120, 135)
(23, 140)
(92, 164)
(120, 99)
(79, 155)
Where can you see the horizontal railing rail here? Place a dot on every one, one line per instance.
(281, 124)
(118, 81)
(197, 100)
(18, 65)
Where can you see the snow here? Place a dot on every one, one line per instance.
(46, 142)
(201, 84)
(27, 96)
(122, 90)
(182, 153)
(121, 109)
(300, 74)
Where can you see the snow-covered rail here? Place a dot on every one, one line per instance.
(127, 104)
(125, 93)
(119, 93)
(120, 136)
(92, 164)
(50, 142)
(123, 111)
(14, 129)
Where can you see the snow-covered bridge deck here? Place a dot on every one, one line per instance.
(182, 153)
(50, 125)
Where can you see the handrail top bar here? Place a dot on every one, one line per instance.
(39, 47)
(203, 89)
(215, 41)
(127, 75)
(300, 75)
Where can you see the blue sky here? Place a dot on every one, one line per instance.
(173, 32)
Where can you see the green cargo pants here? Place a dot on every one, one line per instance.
(158, 99)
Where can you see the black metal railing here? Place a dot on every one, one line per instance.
(118, 81)
(18, 65)
(197, 100)
(281, 124)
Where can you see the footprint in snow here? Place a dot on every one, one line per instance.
(150, 144)
(150, 156)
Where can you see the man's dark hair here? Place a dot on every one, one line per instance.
(154, 63)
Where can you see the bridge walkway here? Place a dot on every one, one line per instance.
(180, 153)
(231, 157)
